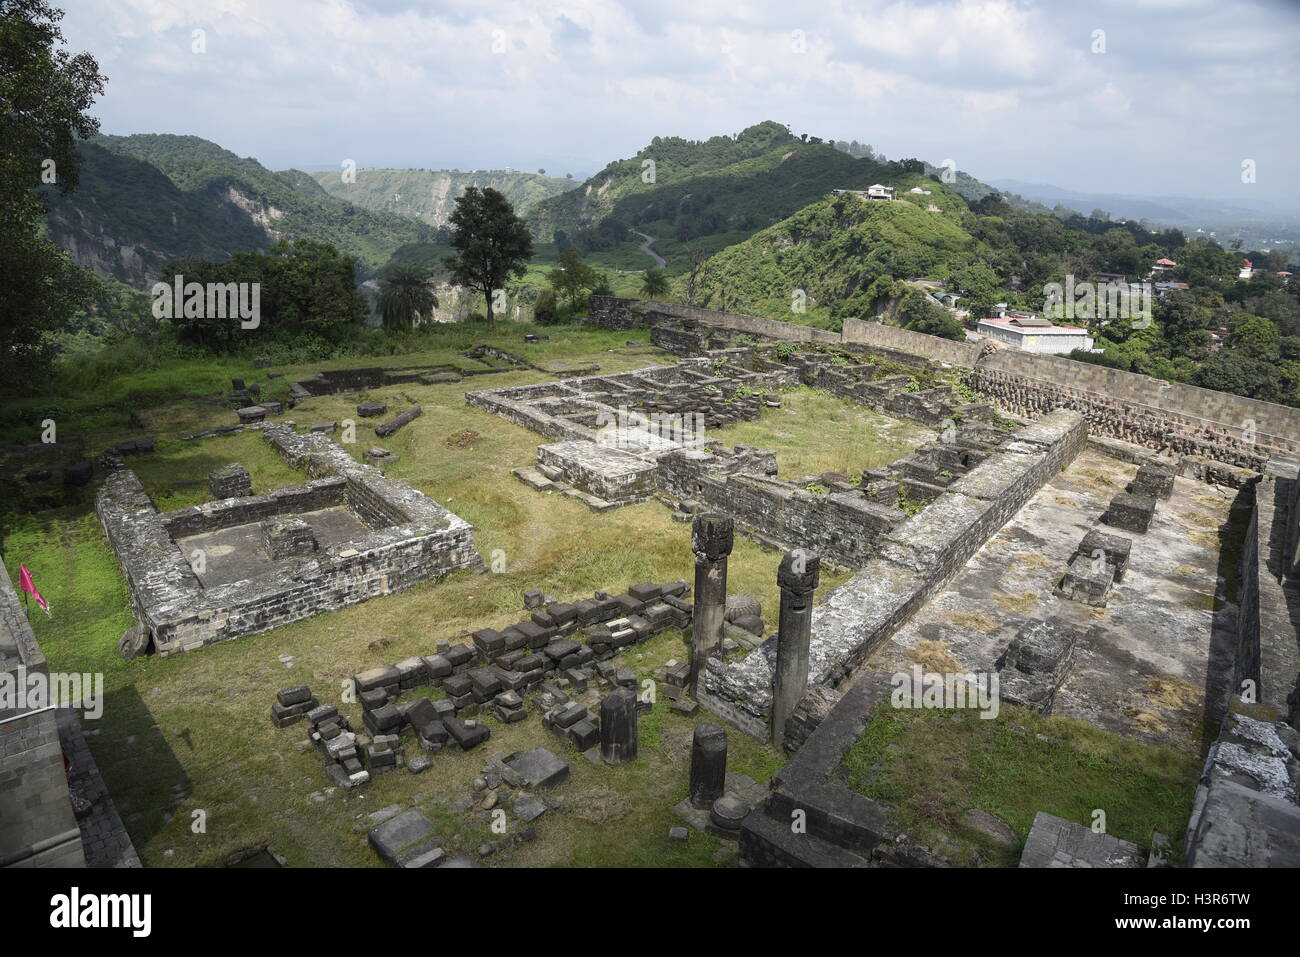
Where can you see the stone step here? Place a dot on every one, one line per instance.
(591, 501)
(533, 478)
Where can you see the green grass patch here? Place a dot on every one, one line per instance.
(930, 766)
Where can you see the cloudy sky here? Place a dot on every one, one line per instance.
(1146, 97)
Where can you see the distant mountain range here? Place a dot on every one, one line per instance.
(428, 195)
(1185, 212)
(150, 198)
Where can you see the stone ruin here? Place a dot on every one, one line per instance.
(628, 437)
(247, 563)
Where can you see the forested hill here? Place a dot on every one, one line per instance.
(844, 253)
(429, 195)
(724, 185)
(149, 198)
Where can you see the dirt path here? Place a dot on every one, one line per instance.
(645, 248)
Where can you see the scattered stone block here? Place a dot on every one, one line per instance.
(1036, 663)
(250, 414)
(368, 410)
(538, 768)
(392, 425)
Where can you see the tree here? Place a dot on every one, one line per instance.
(405, 296)
(491, 242)
(305, 288)
(654, 283)
(572, 277)
(44, 95)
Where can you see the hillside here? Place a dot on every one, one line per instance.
(835, 250)
(148, 198)
(720, 187)
(428, 195)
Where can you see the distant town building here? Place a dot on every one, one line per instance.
(1031, 334)
(1163, 266)
(880, 192)
(919, 192)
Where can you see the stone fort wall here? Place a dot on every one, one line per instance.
(1171, 416)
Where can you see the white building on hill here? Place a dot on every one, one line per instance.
(1031, 334)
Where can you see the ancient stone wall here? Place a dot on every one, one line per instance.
(229, 512)
(843, 527)
(916, 559)
(415, 539)
(37, 824)
(1183, 419)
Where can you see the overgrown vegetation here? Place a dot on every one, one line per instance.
(930, 766)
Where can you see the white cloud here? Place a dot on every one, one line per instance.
(1010, 88)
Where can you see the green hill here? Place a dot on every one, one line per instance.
(705, 194)
(428, 195)
(148, 198)
(844, 252)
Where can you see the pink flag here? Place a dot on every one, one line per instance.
(26, 584)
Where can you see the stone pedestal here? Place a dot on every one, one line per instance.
(708, 765)
(230, 481)
(797, 577)
(712, 536)
(288, 538)
(618, 726)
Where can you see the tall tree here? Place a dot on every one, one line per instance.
(405, 296)
(491, 242)
(44, 95)
(572, 277)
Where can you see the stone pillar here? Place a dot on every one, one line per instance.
(708, 765)
(618, 726)
(711, 540)
(797, 577)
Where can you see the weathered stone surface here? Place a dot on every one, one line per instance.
(394, 838)
(539, 768)
(230, 481)
(1054, 842)
(1132, 513)
(414, 540)
(708, 765)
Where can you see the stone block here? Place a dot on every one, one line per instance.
(288, 537)
(1133, 513)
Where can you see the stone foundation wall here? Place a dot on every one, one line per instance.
(843, 527)
(419, 541)
(229, 512)
(1268, 652)
(915, 560)
(1173, 416)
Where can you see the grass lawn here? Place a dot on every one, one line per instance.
(931, 766)
(848, 438)
(194, 733)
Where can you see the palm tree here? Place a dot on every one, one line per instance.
(405, 296)
(655, 283)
